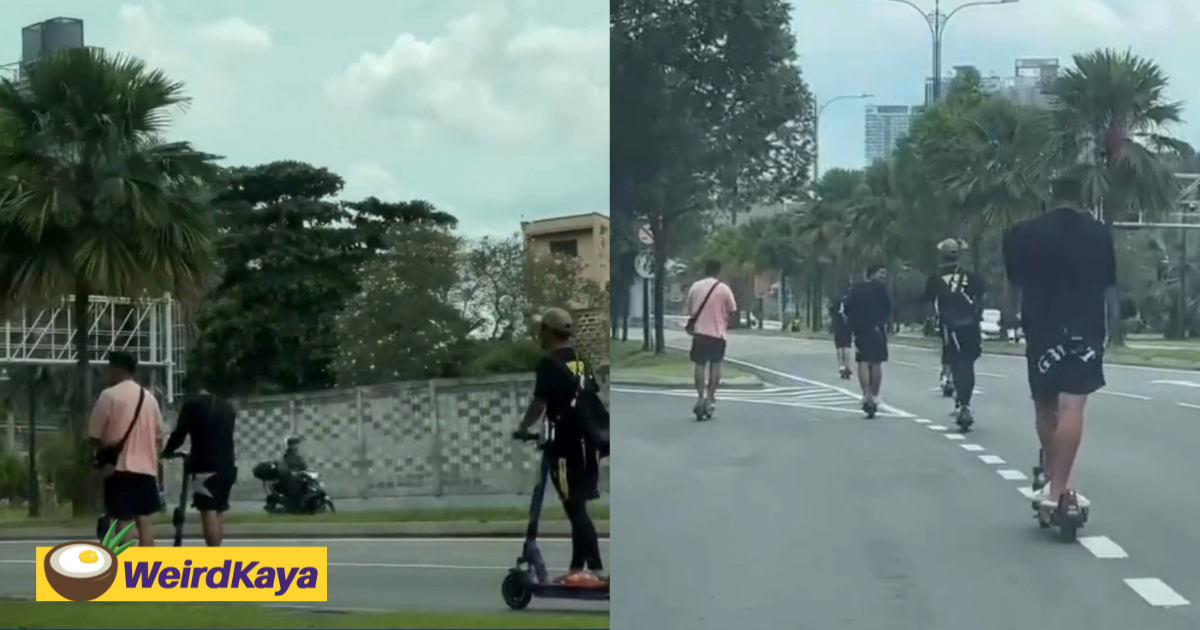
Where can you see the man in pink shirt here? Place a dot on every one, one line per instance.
(709, 303)
(127, 417)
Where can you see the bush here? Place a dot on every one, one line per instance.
(14, 477)
(511, 357)
(56, 465)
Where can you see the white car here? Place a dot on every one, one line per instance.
(990, 326)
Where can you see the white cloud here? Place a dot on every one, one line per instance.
(369, 178)
(488, 77)
(237, 33)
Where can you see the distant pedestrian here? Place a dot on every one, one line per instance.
(869, 311)
(207, 421)
(709, 304)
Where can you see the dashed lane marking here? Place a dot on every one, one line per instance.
(1188, 405)
(1156, 592)
(955, 437)
(1011, 474)
(1103, 547)
(993, 460)
(922, 420)
(1123, 395)
(935, 427)
(971, 448)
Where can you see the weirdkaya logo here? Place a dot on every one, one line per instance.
(83, 571)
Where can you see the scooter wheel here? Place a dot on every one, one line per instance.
(1068, 532)
(517, 589)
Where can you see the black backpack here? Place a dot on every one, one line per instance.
(589, 410)
(957, 307)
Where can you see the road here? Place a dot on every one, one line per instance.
(792, 510)
(380, 574)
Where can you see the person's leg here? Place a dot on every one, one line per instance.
(864, 379)
(714, 380)
(876, 381)
(700, 369)
(585, 542)
(962, 370)
(213, 526)
(1067, 434)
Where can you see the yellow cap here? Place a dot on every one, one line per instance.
(555, 319)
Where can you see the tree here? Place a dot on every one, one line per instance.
(94, 202)
(712, 110)
(1111, 120)
(402, 324)
(290, 260)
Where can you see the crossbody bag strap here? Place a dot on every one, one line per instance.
(704, 302)
(120, 446)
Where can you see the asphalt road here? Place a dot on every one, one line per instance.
(380, 574)
(792, 510)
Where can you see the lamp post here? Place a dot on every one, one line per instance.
(817, 129)
(937, 27)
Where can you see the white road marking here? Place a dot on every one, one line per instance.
(754, 366)
(993, 460)
(1123, 395)
(1103, 547)
(1191, 384)
(305, 542)
(957, 437)
(1027, 491)
(935, 427)
(971, 448)
(1012, 475)
(1156, 592)
(938, 389)
(992, 374)
(1188, 405)
(921, 420)
(909, 364)
(1011, 357)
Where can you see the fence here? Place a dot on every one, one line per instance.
(425, 438)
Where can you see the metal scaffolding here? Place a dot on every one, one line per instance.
(1185, 214)
(153, 330)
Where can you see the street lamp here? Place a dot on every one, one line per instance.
(937, 26)
(817, 129)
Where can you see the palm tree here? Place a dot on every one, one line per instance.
(1111, 121)
(94, 201)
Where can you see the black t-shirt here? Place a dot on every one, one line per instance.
(957, 295)
(557, 380)
(1063, 261)
(208, 421)
(868, 306)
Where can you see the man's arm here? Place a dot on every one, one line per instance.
(98, 421)
(541, 392)
(732, 301)
(181, 430)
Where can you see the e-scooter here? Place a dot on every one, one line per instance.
(1069, 520)
(530, 578)
(179, 516)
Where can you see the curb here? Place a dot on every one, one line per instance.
(315, 531)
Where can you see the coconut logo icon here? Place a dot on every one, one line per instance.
(82, 571)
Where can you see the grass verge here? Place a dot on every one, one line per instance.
(628, 358)
(163, 615)
(1164, 354)
(18, 517)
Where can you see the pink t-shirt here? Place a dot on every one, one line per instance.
(713, 321)
(110, 420)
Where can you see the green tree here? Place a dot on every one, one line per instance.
(402, 324)
(711, 109)
(290, 259)
(94, 202)
(1112, 119)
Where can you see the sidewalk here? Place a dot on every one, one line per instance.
(316, 531)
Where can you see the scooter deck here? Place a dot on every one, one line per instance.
(597, 593)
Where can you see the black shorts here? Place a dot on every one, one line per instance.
(130, 495)
(1060, 365)
(842, 337)
(870, 346)
(575, 477)
(210, 490)
(963, 343)
(707, 349)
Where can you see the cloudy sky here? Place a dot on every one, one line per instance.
(883, 48)
(492, 109)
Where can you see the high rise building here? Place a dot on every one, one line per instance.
(991, 84)
(1030, 79)
(885, 125)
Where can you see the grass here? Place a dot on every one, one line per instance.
(1182, 355)
(18, 517)
(628, 358)
(164, 615)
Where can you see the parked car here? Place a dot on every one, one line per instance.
(990, 326)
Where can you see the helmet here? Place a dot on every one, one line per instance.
(294, 440)
(951, 248)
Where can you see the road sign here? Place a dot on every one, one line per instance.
(644, 235)
(644, 265)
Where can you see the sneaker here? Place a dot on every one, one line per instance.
(1047, 501)
(580, 578)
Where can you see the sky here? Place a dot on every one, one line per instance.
(882, 47)
(493, 110)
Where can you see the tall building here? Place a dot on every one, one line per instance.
(885, 125)
(991, 84)
(1030, 79)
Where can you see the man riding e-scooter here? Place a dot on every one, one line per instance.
(957, 296)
